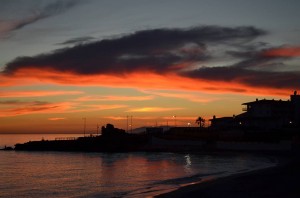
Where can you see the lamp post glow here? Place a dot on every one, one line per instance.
(174, 116)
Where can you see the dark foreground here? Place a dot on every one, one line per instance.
(278, 182)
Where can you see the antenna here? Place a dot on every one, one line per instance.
(84, 126)
(130, 124)
(127, 124)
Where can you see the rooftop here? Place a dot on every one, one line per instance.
(264, 101)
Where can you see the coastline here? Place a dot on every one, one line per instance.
(277, 181)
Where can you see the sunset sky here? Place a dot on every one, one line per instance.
(103, 60)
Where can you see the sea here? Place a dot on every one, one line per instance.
(134, 174)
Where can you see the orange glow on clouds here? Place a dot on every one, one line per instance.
(25, 108)
(104, 107)
(186, 96)
(20, 94)
(33, 108)
(154, 109)
(114, 98)
(141, 80)
(283, 52)
(56, 119)
(183, 118)
(135, 118)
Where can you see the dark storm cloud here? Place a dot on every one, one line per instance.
(256, 59)
(257, 78)
(255, 68)
(243, 54)
(78, 40)
(157, 50)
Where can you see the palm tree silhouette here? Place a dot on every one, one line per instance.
(200, 121)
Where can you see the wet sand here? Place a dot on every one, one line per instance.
(281, 181)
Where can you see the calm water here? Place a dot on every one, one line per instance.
(66, 174)
(12, 139)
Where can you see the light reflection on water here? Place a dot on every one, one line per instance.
(63, 174)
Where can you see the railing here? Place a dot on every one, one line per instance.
(66, 138)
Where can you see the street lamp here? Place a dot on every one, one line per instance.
(174, 116)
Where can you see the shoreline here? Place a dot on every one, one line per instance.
(281, 180)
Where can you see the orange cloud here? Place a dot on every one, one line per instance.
(114, 98)
(56, 119)
(103, 107)
(34, 108)
(154, 109)
(15, 108)
(283, 52)
(20, 94)
(191, 118)
(116, 117)
(135, 118)
(141, 80)
(186, 96)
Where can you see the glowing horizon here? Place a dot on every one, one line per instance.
(56, 69)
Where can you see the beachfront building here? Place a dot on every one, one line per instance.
(270, 114)
(295, 100)
(223, 122)
(264, 114)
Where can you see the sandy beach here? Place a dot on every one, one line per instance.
(276, 182)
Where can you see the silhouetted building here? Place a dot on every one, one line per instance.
(295, 100)
(111, 130)
(223, 122)
(264, 114)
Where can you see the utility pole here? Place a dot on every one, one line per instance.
(175, 120)
(84, 126)
(130, 124)
(127, 124)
